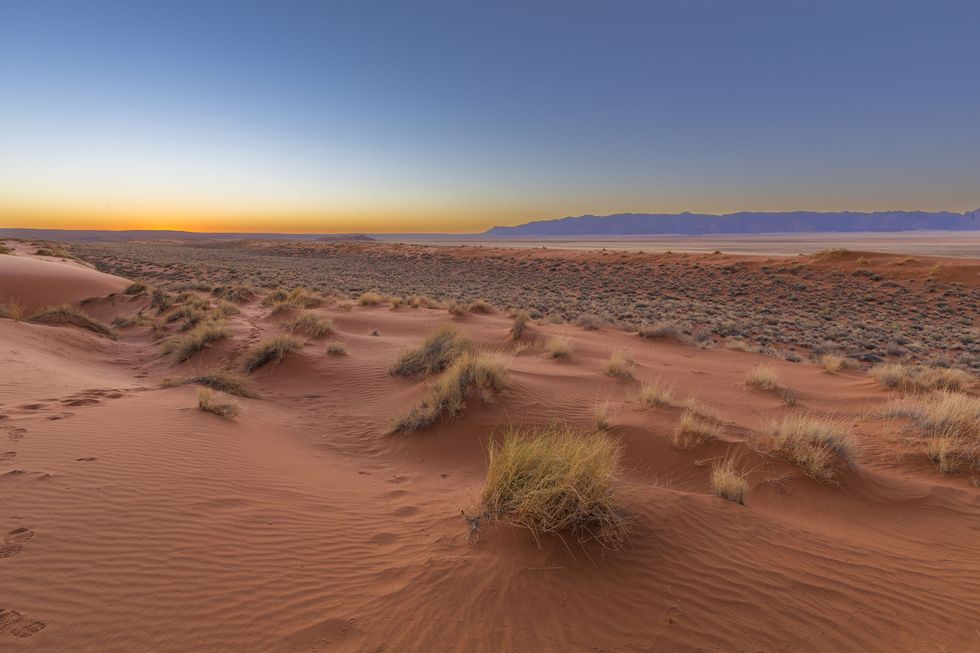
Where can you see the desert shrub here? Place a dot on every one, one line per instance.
(483, 373)
(421, 301)
(225, 309)
(5, 250)
(558, 347)
(161, 300)
(657, 393)
(940, 413)
(336, 349)
(11, 311)
(126, 321)
(312, 325)
(68, 314)
(693, 430)
(555, 481)
(832, 363)
(277, 296)
(370, 299)
(438, 351)
(728, 481)
(196, 340)
(210, 401)
(135, 289)
(480, 306)
(237, 293)
(395, 301)
(216, 380)
(304, 298)
(660, 330)
(457, 308)
(812, 443)
(269, 351)
(589, 321)
(920, 378)
(830, 254)
(520, 329)
(763, 378)
(737, 345)
(620, 364)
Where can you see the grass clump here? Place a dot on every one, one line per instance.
(370, 299)
(481, 306)
(763, 378)
(832, 363)
(485, 374)
(589, 321)
(812, 443)
(656, 394)
(67, 314)
(312, 325)
(920, 378)
(11, 311)
(438, 351)
(558, 347)
(269, 351)
(730, 482)
(135, 289)
(694, 430)
(336, 349)
(210, 401)
(196, 340)
(520, 330)
(237, 293)
(657, 330)
(215, 380)
(556, 481)
(620, 365)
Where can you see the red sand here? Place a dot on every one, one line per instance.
(136, 521)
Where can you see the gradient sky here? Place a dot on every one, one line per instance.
(455, 116)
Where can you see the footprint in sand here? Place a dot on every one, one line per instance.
(8, 455)
(86, 459)
(15, 433)
(14, 542)
(85, 401)
(13, 622)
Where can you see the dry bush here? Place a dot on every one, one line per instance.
(620, 365)
(238, 293)
(661, 330)
(457, 309)
(481, 306)
(304, 298)
(602, 419)
(737, 345)
(558, 347)
(312, 325)
(212, 402)
(135, 289)
(336, 349)
(225, 309)
(215, 380)
(940, 413)
(485, 374)
(730, 482)
(277, 296)
(438, 351)
(763, 378)
(126, 321)
(422, 301)
(370, 299)
(920, 378)
(694, 430)
(520, 330)
(812, 443)
(948, 451)
(269, 351)
(832, 363)
(68, 314)
(830, 254)
(555, 481)
(589, 321)
(185, 346)
(12, 311)
(657, 393)
(395, 301)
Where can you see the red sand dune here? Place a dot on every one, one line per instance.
(137, 522)
(35, 283)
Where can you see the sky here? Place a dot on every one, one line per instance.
(424, 116)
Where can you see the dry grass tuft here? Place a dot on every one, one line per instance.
(589, 321)
(656, 394)
(272, 351)
(212, 402)
(694, 430)
(730, 482)
(620, 365)
(336, 349)
(940, 413)
(660, 330)
(67, 314)
(370, 299)
(485, 374)
(763, 378)
(520, 330)
(215, 380)
(185, 346)
(812, 443)
(12, 311)
(558, 347)
(438, 351)
(481, 306)
(556, 481)
(832, 363)
(311, 325)
(920, 378)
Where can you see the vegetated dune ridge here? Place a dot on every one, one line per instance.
(35, 283)
(135, 521)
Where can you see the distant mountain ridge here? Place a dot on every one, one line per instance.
(97, 235)
(693, 224)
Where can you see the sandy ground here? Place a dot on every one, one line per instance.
(135, 522)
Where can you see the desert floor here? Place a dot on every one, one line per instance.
(134, 521)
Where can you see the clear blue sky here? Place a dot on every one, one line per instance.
(454, 116)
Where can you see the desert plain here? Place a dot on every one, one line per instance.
(280, 446)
